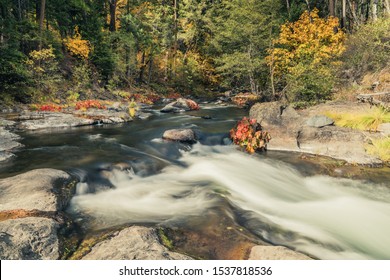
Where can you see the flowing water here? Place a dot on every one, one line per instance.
(128, 175)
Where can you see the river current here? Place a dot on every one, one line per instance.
(129, 175)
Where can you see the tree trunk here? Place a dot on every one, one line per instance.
(331, 8)
(142, 69)
(288, 8)
(352, 7)
(175, 18)
(127, 59)
(375, 10)
(387, 6)
(166, 65)
(41, 19)
(150, 70)
(112, 4)
(344, 14)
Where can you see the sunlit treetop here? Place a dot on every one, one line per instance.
(311, 40)
(77, 46)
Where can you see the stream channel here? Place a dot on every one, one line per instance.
(129, 175)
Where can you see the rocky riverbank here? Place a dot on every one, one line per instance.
(310, 131)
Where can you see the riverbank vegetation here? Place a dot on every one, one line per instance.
(66, 51)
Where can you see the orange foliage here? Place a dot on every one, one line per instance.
(248, 134)
(85, 105)
(311, 40)
(49, 108)
(77, 46)
(192, 104)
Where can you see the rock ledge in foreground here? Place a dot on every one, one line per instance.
(133, 243)
(275, 253)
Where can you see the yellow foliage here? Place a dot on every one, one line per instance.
(77, 46)
(37, 58)
(311, 40)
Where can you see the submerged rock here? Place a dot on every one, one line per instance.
(29, 239)
(133, 243)
(181, 135)
(275, 253)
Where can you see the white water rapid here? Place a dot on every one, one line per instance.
(326, 217)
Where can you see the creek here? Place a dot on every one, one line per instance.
(129, 175)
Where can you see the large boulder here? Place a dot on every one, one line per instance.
(281, 121)
(133, 243)
(29, 239)
(336, 142)
(306, 131)
(40, 189)
(180, 135)
(275, 253)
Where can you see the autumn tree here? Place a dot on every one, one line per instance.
(304, 56)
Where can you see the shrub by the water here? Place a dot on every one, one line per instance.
(250, 135)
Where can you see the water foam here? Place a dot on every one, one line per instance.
(326, 217)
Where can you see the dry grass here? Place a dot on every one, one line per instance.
(380, 148)
(367, 121)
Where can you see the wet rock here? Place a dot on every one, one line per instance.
(8, 143)
(275, 253)
(6, 123)
(319, 121)
(35, 121)
(180, 105)
(5, 156)
(29, 239)
(133, 243)
(55, 120)
(207, 117)
(40, 189)
(181, 135)
(143, 115)
(112, 120)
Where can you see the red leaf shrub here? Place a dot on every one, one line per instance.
(85, 105)
(49, 108)
(249, 135)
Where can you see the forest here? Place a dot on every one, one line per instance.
(301, 50)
